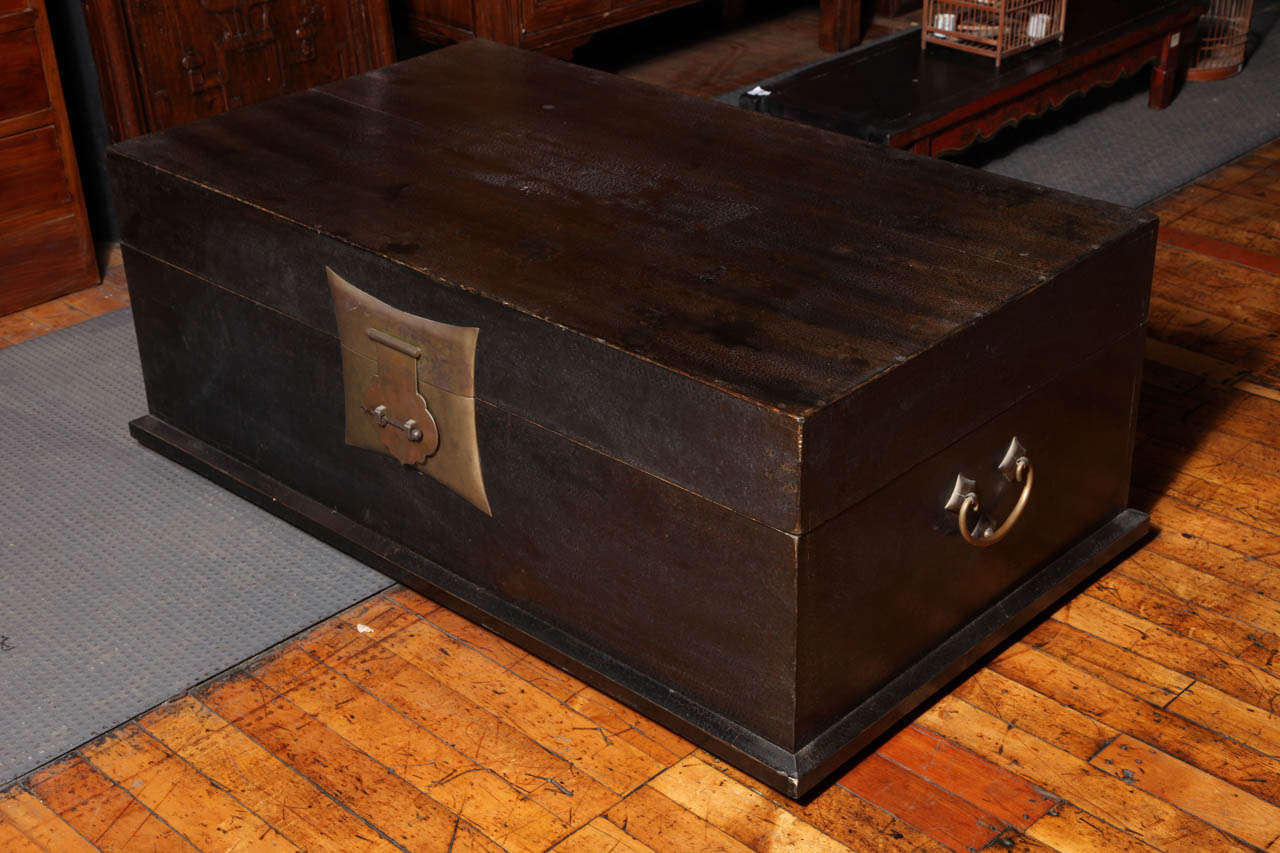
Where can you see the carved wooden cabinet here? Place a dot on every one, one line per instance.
(46, 249)
(165, 62)
(554, 27)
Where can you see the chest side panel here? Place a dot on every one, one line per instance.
(885, 426)
(891, 578)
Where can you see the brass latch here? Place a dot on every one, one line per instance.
(392, 399)
(409, 388)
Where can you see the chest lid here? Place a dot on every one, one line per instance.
(696, 290)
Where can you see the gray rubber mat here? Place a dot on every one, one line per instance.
(125, 578)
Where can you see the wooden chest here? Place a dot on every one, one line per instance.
(689, 400)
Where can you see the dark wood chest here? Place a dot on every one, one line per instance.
(692, 401)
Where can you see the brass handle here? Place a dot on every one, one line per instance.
(1025, 475)
(1016, 468)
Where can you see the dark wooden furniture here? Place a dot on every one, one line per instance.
(687, 418)
(553, 27)
(936, 100)
(46, 248)
(170, 61)
(841, 22)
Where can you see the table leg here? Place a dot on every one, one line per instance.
(1164, 76)
(840, 24)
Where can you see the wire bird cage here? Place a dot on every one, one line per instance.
(1224, 31)
(995, 28)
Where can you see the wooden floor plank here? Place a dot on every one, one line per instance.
(183, 797)
(1034, 712)
(478, 737)
(1214, 276)
(1259, 728)
(1194, 791)
(1226, 241)
(1229, 501)
(738, 811)
(1191, 439)
(40, 826)
(1072, 830)
(1210, 750)
(660, 823)
(938, 813)
(1196, 363)
(1016, 841)
(1252, 188)
(1234, 552)
(1244, 484)
(421, 758)
(615, 763)
(1230, 174)
(1142, 815)
(255, 777)
(369, 789)
(618, 720)
(12, 839)
(1248, 215)
(840, 814)
(1007, 796)
(101, 811)
(1113, 664)
(1164, 648)
(1180, 202)
(56, 314)
(1179, 580)
(601, 836)
(1245, 346)
(1189, 617)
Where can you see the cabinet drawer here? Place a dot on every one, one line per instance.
(32, 174)
(43, 258)
(22, 86)
(9, 7)
(543, 14)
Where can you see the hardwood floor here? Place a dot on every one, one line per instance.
(1141, 716)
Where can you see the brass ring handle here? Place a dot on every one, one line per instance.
(1023, 473)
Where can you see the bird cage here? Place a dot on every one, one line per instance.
(1224, 30)
(995, 28)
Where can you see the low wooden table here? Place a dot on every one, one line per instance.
(937, 100)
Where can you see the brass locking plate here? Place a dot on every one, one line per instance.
(409, 384)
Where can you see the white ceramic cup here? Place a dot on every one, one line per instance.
(1038, 25)
(944, 21)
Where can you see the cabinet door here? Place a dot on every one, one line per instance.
(165, 62)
